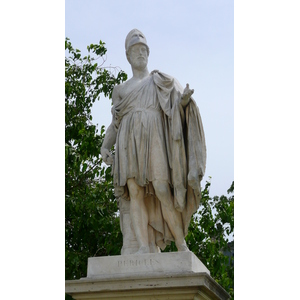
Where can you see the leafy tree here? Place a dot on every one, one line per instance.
(209, 236)
(91, 220)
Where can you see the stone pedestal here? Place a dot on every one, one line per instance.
(176, 275)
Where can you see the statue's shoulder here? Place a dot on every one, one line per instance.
(166, 79)
(163, 76)
(159, 73)
(119, 91)
(119, 87)
(122, 89)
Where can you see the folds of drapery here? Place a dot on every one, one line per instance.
(186, 152)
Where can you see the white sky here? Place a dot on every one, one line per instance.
(190, 40)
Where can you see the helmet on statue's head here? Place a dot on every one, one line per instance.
(135, 36)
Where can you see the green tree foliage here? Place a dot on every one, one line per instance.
(211, 234)
(91, 220)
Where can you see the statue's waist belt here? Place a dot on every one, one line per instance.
(147, 110)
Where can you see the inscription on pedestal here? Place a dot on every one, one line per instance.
(135, 263)
(152, 263)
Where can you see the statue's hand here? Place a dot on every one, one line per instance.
(186, 96)
(107, 156)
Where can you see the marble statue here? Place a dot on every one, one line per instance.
(160, 154)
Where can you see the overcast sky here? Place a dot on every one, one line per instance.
(190, 40)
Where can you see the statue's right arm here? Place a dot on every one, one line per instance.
(110, 135)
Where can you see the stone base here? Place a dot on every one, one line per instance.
(144, 264)
(176, 275)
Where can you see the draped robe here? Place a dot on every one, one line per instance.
(158, 139)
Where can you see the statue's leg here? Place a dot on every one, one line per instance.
(171, 215)
(138, 215)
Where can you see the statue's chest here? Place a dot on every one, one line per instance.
(129, 89)
(139, 94)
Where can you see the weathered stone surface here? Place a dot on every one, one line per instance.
(183, 286)
(175, 275)
(144, 264)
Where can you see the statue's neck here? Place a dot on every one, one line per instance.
(140, 74)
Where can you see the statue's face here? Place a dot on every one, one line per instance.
(138, 56)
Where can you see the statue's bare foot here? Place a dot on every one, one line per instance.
(143, 250)
(182, 247)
